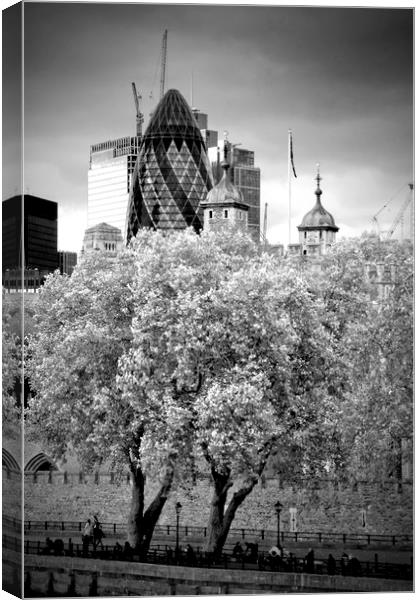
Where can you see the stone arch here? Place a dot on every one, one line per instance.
(9, 461)
(40, 462)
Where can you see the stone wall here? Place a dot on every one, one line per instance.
(388, 509)
(79, 577)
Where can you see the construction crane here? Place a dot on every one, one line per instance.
(139, 114)
(265, 225)
(401, 212)
(163, 63)
(375, 217)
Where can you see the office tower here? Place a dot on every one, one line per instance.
(245, 175)
(172, 174)
(109, 180)
(66, 261)
(28, 264)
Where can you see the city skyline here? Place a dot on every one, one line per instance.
(340, 78)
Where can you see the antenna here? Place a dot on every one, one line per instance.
(163, 63)
(139, 114)
(192, 89)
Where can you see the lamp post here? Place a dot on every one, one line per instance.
(178, 507)
(277, 507)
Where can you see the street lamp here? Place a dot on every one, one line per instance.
(277, 507)
(178, 507)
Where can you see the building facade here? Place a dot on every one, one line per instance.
(102, 237)
(224, 206)
(172, 175)
(67, 261)
(25, 265)
(111, 167)
(245, 176)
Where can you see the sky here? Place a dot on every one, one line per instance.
(340, 78)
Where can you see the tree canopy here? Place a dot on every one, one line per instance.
(189, 350)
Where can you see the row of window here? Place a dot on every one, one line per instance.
(110, 246)
(226, 214)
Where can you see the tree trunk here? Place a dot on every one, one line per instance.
(220, 520)
(135, 517)
(152, 514)
(141, 522)
(221, 485)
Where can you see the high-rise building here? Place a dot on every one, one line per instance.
(67, 261)
(172, 174)
(33, 259)
(109, 180)
(245, 175)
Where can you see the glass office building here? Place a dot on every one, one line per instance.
(109, 180)
(172, 174)
(27, 264)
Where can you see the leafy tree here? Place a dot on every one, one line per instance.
(11, 374)
(232, 342)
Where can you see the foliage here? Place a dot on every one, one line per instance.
(11, 373)
(188, 350)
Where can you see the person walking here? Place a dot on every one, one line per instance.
(331, 565)
(87, 537)
(98, 534)
(310, 561)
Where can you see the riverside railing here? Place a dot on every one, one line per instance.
(188, 531)
(263, 561)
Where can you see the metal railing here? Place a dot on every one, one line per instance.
(188, 531)
(262, 561)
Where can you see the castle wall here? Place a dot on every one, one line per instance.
(365, 508)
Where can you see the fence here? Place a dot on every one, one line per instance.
(186, 531)
(263, 561)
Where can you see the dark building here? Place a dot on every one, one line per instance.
(37, 256)
(172, 174)
(67, 261)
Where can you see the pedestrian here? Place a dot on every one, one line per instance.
(331, 565)
(310, 561)
(344, 563)
(189, 554)
(87, 537)
(98, 534)
(238, 551)
(355, 567)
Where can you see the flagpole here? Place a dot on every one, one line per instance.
(289, 181)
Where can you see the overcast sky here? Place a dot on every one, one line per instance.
(340, 78)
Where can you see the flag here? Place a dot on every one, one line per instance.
(291, 155)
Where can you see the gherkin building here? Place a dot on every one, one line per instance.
(172, 174)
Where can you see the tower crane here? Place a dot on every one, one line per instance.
(139, 114)
(163, 63)
(401, 212)
(265, 225)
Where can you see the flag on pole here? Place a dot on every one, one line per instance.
(291, 155)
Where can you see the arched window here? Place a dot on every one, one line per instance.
(9, 461)
(40, 462)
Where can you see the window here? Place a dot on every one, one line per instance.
(210, 214)
(226, 214)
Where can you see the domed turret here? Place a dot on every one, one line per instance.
(317, 230)
(224, 205)
(172, 173)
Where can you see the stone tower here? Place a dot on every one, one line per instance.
(224, 205)
(317, 230)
